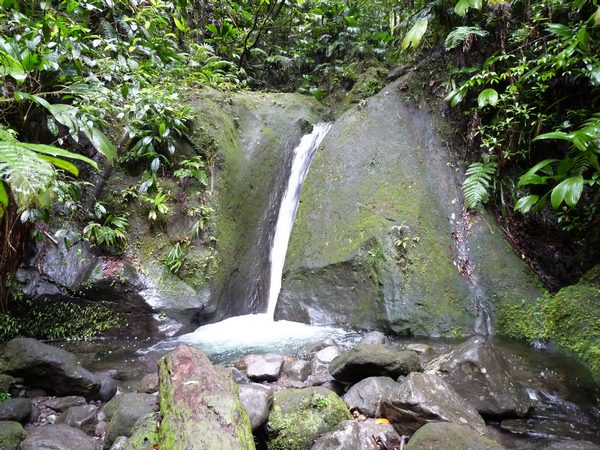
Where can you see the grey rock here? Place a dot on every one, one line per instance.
(365, 361)
(11, 435)
(328, 354)
(424, 398)
(120, 443)
(365, 396)
(307, 351)
(335, 386)
(61, 404)
(15, 409)
(123, 411)
(6, 382)
(572, 445)
(144, 435)
(257, 401)
(82, 417)
(238, 376)
(449, 436)
(47, 367)
(32, 393)
(354, 435)
(108, 388)
(149, 383)
(420, 348)
(266, 368)
(373, 338)
(58, 437)
(298, 371)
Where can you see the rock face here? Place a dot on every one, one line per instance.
(365, 396)
(299, 415)
(144, 435)
(353, 435)
(199, 405)
(381, 177)
(449, 436)
(364, 361)
(11, 435)
(15, 409)
(47, 367)
(480, 374)
(123, 411)
(61, 437)
(423, 398)
(257, 400)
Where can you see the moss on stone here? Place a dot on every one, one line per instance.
(144, 435)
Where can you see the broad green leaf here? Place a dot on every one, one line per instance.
(62, 164)
(462, 6)
(101, 143)
(487, 97)
(568, 190)
(554, 135)
(560, 30)
(415, 34)
(524, 204)
(3, 199)
(597, 17)
(527, 176)
(59, 153)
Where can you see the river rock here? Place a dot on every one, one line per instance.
(120, 443)
(308, 350)
(298, 371)
(55, 437)
(479, 373)
(15, 409)
(420, 348)
(61, 404)
(199, 404)
(265, 368)
(374, 338)
(83, 417)
(572, 445)
(424, 398)
(144, 435)
(354, 435)
(149, 383)
(47, 367)
(11, 435)
(299, 415)
(365, 396)
(108, 388)
(364, 361)
(257, 399)
(449, 436)
(6, 382)
(123, 411)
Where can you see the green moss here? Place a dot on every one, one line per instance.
(570, 318)
(144, 435)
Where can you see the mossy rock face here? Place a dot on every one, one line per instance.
(449, 436)
(144, 435)
(11, 435)
(382, 199)
(298, 416)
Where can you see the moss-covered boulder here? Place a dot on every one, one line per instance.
(199, 405)
(380, 240)
(298, 416)
(449, 436)
(144, 435)
(11, 435)
(122, 413)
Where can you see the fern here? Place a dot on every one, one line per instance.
(477, 183)
(457, 36)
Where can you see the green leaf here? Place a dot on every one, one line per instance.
(415, 34)
(101, 143)
(487, 97)
(554, 135)
(568, 190)
(560, 30)
(526, 203)
(529, 176)
(3, 199)
(59, 152)
(62, 164)
(462, 6)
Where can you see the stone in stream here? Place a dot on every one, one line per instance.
(144, 434)
(449, 436)
(308, 350)
(364, 361)
(298, 416)
(374, 338)
(365, 396)
(265, 368)
(477, 371)
(420, 348)
(572, 445)
(199, 405)
(298, 371)
(61, 404)
(47, 367)
(61, 437)
(108, 388)
(149, 383)
(11, 435)
(123, 411)
(83, 417)
(355, 435)
(423, 398)
(257, 400)
(15, 409)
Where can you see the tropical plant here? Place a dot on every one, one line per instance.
(476, 186)
(110, 233)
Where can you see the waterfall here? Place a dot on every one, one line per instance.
(302, 158)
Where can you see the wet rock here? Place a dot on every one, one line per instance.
(307, 351)
(479, 373)
(558, 428)
(354, 435)
(15, 409)
(200, 406)
(572, 445)
(424, 398)
(374, 338)
(82, 417)
(238, 376)
(61, 404)
(420, 348)
(299, 415)
(120, 443)
(47, 367)
(265, 368)
(33, 393)
(449, 436)
(11, 435)
(298, 371)
(61, 437)
(257, 400)
(335, 386)
(123, 411)
(373, 360)
(149, 383)
(108, 388)
(365, 396)
(144, 435)
(6, 382)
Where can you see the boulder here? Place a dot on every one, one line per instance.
(120, 443)
(355, 435)
(424, 398)
(298, 371)
(144, 435)
(61, 404)
(374, 338)
(108, 388)
(11, 435)
(200, 406)
(257, 400)
(479, 373)
(572, 445)
(449, 436)
(307, 351)
(265, 368)
(364, 361)
(420, 348)
(47, 367)
(6, 382)
(83, 417)
(59, 437)
(15, 409)
(149, 383)
(365, 396)
(299, 415)
(123, 411)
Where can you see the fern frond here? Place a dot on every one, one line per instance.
(477, 183)
(457, 36)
